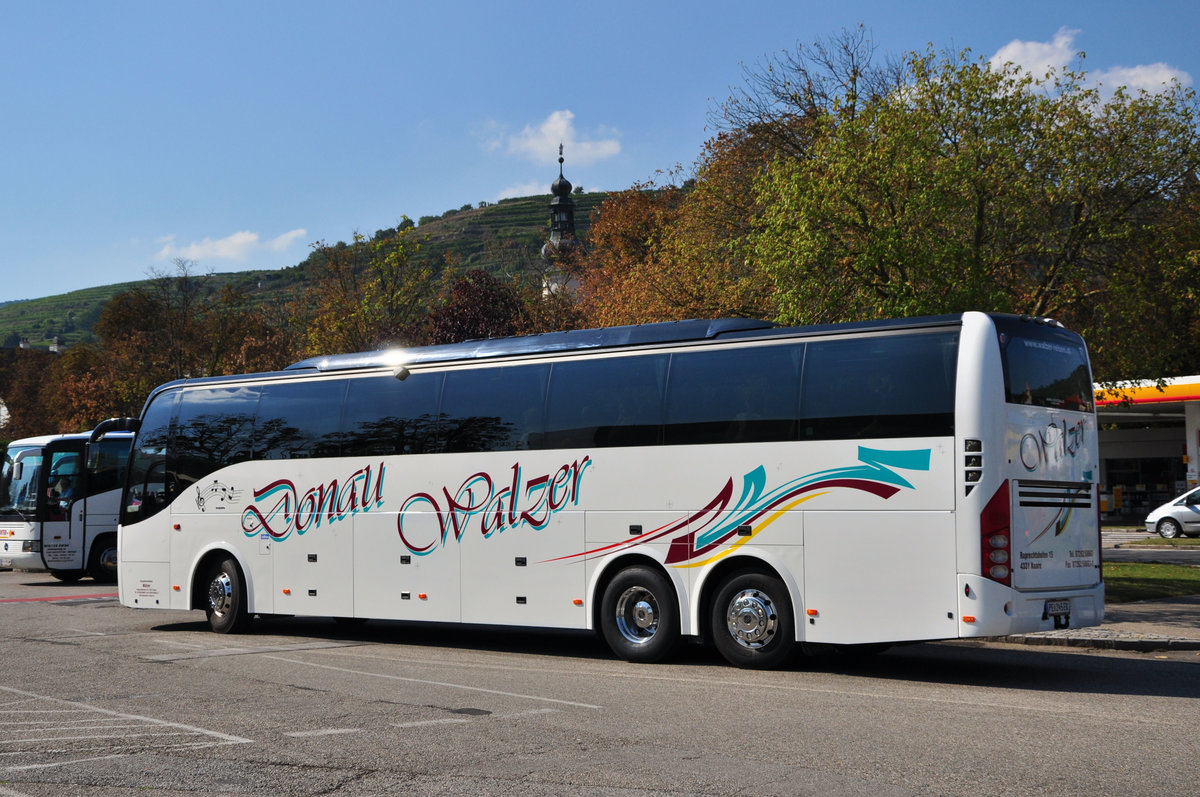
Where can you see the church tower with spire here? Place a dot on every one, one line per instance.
(562, 232)
(562, 215)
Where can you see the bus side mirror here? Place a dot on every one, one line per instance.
(92, 452)
(114, 425)
(18, 469)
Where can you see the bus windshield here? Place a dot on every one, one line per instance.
(1045, 367)
(18, 483)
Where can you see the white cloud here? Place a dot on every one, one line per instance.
(531, 188)
(1151, 77)
(238, 246)
(540, 143)
(282, 242)
(1038, 58)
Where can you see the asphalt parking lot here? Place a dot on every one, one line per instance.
(98, 699)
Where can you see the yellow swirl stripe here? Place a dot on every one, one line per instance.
(743, 540)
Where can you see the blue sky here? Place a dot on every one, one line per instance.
(236, 134)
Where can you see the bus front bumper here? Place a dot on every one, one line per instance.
(21, 554)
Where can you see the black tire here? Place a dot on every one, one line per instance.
(102, 564)
(67, 576)
(226, 598)
(1168, 528)
(639, 615)
(752, 622)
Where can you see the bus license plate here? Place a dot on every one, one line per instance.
(1058, 608)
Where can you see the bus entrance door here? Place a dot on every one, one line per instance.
(62, 508)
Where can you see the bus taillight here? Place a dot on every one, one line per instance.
(996, 541)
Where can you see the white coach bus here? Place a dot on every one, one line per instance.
(729, 481)
(59, 508)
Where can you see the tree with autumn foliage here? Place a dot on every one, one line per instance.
(175, 326)
(683, 250)
(477, 305)
(365, 295)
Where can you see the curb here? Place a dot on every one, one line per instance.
(1108, 641)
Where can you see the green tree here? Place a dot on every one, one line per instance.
(977, 188)
(365, 295)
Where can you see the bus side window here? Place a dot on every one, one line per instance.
(606, 401)
(871, 387)
(493, 409)
(148, 491)
(742, 395)
(384, 415)
(214, 430)
(299, 420)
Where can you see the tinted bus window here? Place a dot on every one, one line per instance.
(148, 490)
(609, 401)
(107, 469)
(895, 386)
(744, 395)
(1044, 366)
(493, 409)
(386, 416)
(215, 430)
(63, 484)
(19, 483)
(299, 420)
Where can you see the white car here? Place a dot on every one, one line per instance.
(1179, 516)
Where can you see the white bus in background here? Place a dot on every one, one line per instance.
(59, 510)
(727, 481)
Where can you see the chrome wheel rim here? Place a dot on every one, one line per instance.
(750, 618)
(220, 594)
(108, 561)
(637, 615)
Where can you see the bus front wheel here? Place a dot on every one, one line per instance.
(226, 607)
(639, 616)
(67, 576)
(752, 624)
(103, 565)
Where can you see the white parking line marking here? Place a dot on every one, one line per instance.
(420, 723)
(204, 654)
(323, 732)
(519, 714)
(435, 683)
(179, 727)
(66, 763)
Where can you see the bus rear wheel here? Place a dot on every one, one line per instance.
(639, 616)
(752, 624)
(226, 607)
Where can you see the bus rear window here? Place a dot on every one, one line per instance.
(1045, 367)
